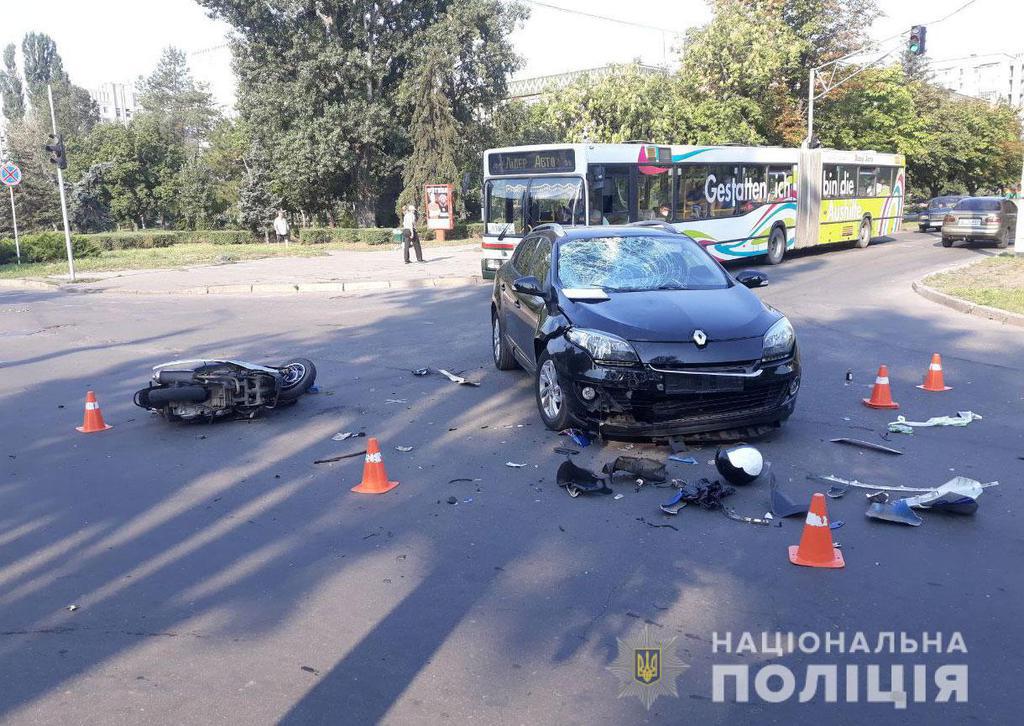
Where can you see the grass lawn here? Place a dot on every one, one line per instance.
(997, 282)
(186, 255)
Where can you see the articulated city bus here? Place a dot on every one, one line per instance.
(737, 201)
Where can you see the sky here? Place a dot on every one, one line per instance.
(118, 40)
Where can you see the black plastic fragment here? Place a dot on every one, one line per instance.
(647, 469)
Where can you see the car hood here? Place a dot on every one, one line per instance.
(666, 316)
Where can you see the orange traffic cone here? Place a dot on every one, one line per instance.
(375, 478)
(815, 548)
(933, 378)
(93, 420)
(881, 395)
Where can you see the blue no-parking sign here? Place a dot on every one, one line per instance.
(10, 174)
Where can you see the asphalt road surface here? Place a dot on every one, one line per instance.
(221, 577)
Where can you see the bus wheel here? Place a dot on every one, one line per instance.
(776, 246)
(864, 236)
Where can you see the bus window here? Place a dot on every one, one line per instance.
(654, 195)
(691, 203)
(867, 181)
(505, 206)
(555, 199)
(609, 195)
(840, 181)
(780, 183)
(886, 179)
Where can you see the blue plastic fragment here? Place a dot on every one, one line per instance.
(682, 459)
(313, 389)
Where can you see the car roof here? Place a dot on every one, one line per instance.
(611, 230)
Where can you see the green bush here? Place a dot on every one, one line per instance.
(475, 229)
(8, 252)
(314, 236)
(145, 239)
(323, 235)
(50, 247)
(375, 236)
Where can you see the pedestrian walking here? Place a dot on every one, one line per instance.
(281, 227)
(409, 235)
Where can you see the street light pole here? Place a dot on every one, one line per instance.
(63, 200)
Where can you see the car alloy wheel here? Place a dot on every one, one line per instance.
(550, 391)
(496, 338)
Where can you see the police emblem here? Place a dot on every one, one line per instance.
(648, 668)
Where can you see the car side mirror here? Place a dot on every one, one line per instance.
(529, 285)
(751, 278)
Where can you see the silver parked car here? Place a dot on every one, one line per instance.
(932, 216)
(992, 219)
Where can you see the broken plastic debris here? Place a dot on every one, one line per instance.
(565, 450)
(578, 437)
(645, 468)
(836, 491)
(338, 458)
(866, 445)
(456, 379)
(514, 465)
(898, 511)
(618, 496)
(836, 524)
(403, 449)
(784, 506)
(958, 496)
(731, 514)
(421, 372)
(675, 504)
(576, 480)
(72, 608)
(682, 459)
(704, 492)
(395, 400)
(315, 388)
(877, 497)
(881, 488)
(464, 479)
(453, 500)
(347, 435)
(962, 418)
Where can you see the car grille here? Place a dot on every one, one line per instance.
(711, 404)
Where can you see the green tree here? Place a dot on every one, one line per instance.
(11, 87)
(90, 201)
(37, 198)
(228, 142)
(435, 132)
(257, 205)
(319, 82)
(75, 111)
(195, 197)
(184, 108)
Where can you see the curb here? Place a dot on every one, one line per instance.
(965, 306)
(275, 288)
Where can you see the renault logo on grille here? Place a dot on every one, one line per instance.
(700, 338)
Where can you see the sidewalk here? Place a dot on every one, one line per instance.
(338, 271)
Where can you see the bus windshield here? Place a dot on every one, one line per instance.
(546, 199)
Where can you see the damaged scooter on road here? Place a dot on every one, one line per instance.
(188, 390)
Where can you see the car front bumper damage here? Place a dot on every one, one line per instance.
(638, 401)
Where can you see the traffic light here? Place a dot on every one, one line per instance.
(56, 148)
(915, 44)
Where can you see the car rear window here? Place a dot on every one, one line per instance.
(979, 205)
(943, 202)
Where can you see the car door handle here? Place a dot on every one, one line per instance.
(517, 303)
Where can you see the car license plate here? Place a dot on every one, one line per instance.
(678, 384)
(972, 222)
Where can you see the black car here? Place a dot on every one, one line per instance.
(637, 331)
(931, 218)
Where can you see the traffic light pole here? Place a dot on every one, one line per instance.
(63, 200)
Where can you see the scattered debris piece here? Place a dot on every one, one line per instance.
(565, 450)
(731, 514)
(353, 455)
(962, 418)
(514, 465)
(957, 496)
(421, 372)
(836, 491)
(453, 500)
(72, 608)
(682, 459)
(705, 493)
(849, 375)
(578, 437)
(678, 445)
(677, 503)
(867, 445)
(657, 526)
(457, 379)
(784, 506)
(898, 511)
(618, 496)
(576, 480)
(881, 488)
(347, 435)
(644, 468)
(882, 497)
(314, 671)
(740, 464)
(457, 481)
(836, 524)
(403, 449)
(395, 400)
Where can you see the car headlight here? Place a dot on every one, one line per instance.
(603, 348)
(779, 340)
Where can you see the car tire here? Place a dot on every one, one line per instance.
(1004, 241)
(504, 358)
(776, 246)
(923, 229)
(551, 399)
(864, 234)
(947, 242)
